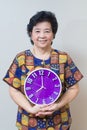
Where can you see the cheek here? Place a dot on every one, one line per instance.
(33, 37)
(50, 38)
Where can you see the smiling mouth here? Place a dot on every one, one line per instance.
(42, 41)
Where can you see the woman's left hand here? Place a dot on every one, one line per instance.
(47, 110)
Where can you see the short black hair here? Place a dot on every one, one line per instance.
(42, 16)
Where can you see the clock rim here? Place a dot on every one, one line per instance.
(38, 70)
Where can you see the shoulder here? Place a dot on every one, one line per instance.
(63, 56)
(22, 57)
(59, 52)
(55, 51)
(23, 53)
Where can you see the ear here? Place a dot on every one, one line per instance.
(53, 36)
(30, 33)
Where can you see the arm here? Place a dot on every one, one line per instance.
(22, 101)
(68, 96)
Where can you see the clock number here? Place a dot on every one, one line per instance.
(44, 102)
(48, 74)
(54, 79)
(41, 72)
(28, 88)
(51, 98)
(31, 95)
(37, 100)
(57, 85)
(56, 93)
(29, 80)
(34, 75)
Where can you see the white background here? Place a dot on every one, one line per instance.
(71, 37)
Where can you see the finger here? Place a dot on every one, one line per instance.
(44, 113)
(44, 105)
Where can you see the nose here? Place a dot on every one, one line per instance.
(42, 34)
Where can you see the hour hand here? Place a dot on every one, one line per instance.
(39, 89)
(42, 87)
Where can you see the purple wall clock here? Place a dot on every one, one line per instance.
(42, 86)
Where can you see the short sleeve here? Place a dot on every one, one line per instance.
(72, 73)
(13, 75)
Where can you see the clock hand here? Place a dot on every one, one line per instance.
(39, 89)
(42, 82)
(42, 86)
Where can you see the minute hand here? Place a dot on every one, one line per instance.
(42, 86)
(42, 81)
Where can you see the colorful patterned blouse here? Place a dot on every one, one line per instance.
(61, 64)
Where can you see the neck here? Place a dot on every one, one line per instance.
(42, 50)
(41, 53)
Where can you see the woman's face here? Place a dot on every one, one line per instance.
(42, 34)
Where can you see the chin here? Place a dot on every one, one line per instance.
(44, 45)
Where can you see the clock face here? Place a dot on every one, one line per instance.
(42, 86)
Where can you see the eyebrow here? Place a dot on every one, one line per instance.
(44, 29)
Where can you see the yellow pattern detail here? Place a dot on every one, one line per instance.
(62, 77)
(11, 75)
(62, 59)
(24, 120)
(30, 67)
(64, 116)
(18, 125)
(53, 53)
(50, 128)
(16, 83)
(21, 60)
(7, 79)
(59, 125)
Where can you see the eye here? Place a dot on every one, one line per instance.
(37, 31)
(47, 31)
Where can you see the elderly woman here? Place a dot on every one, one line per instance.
(42, 29)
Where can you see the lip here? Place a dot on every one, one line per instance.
(42, 41)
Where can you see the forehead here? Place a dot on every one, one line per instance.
(43, 25)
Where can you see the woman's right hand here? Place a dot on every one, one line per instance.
(35, 109)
